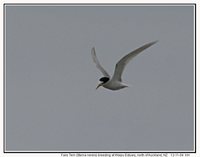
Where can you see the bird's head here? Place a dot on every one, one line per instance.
(103, 81)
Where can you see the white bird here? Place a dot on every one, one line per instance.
(115, 83)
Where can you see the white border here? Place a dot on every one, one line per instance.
(1, 45)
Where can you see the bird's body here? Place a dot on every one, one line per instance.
(115, 83)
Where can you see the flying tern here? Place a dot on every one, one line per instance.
(115, 83)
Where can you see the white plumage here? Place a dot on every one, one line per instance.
(115, 82)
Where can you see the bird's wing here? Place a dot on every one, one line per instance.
(119, 68)
(98, 65)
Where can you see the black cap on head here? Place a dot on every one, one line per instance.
(104, 79)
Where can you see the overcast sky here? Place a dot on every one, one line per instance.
(51, 101)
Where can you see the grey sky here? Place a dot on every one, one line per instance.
(51, 101)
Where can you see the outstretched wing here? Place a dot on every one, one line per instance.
(98, 65)
(119, 68)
